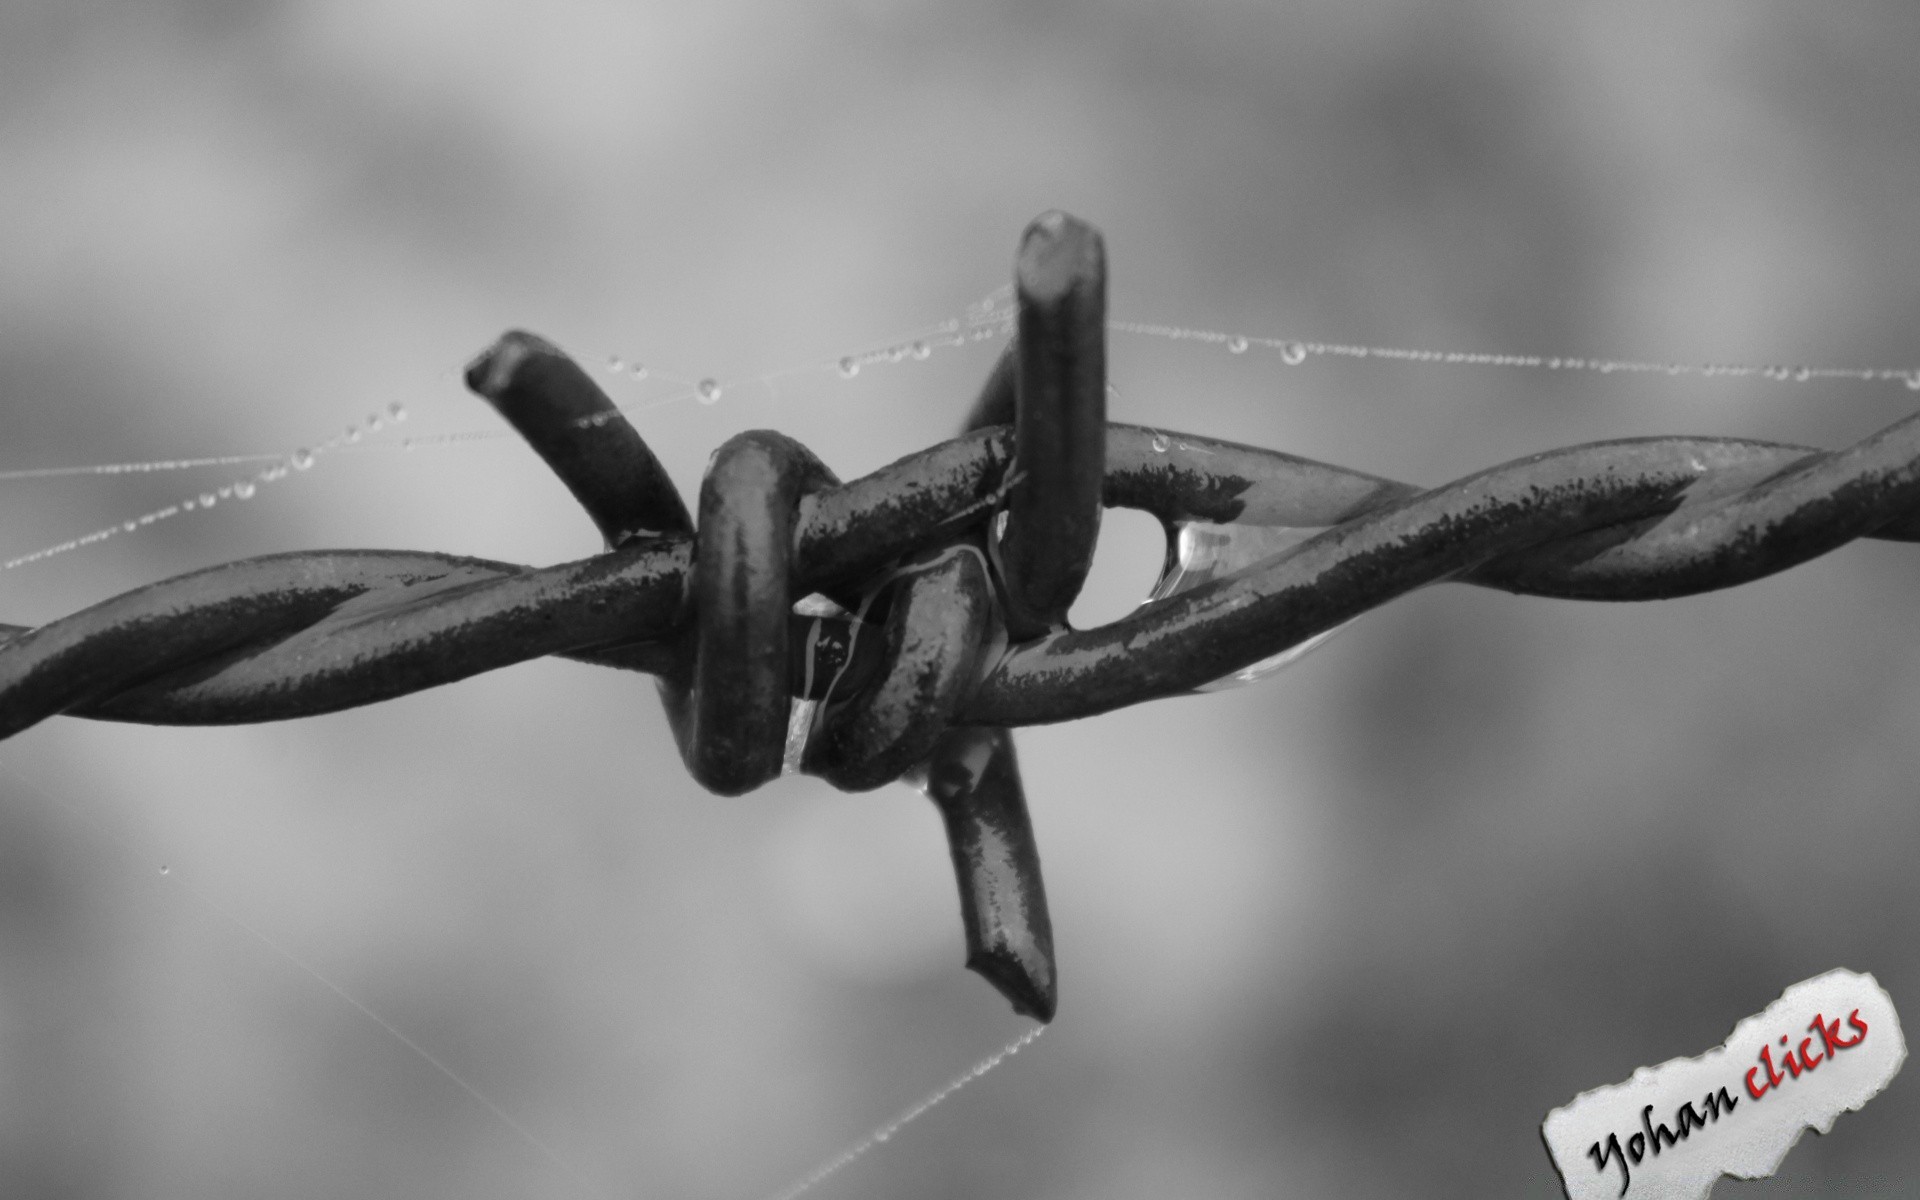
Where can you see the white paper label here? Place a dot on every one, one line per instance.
(1825, 1047)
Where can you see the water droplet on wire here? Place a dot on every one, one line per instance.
(1294, 353)
(1204, 551)
(709, 391)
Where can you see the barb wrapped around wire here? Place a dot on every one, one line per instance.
(896, 626)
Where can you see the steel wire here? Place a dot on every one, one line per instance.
(304, 633)
(942, 581)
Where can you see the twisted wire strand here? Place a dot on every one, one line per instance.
(300, 634)
(946, 578)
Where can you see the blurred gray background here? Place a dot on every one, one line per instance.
(1348, 933)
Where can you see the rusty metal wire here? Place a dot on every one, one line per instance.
(924, 605)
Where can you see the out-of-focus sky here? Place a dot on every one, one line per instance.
(1350, 932)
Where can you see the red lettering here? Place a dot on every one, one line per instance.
(1806, 1059)
(1805, 1062)
(1791, 1065)
(1774, 1077)
(1828, 1032)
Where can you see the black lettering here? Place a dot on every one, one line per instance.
(1686, 1117)
(1655, 1132)
(1713, 1104)
(1613, 1151)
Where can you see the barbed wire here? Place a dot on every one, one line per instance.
(896, 626)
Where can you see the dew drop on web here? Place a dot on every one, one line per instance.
(849, 367)
(922, 351)
(1204, 551)
(1160, 443)
(1293, 354)
(709, 391)
(302, 459)
(243, 490)
(207, 499)
(1236, 344)
(396, 412)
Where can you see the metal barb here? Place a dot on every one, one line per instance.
(950, 573)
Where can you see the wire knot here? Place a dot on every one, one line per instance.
(897, 625)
